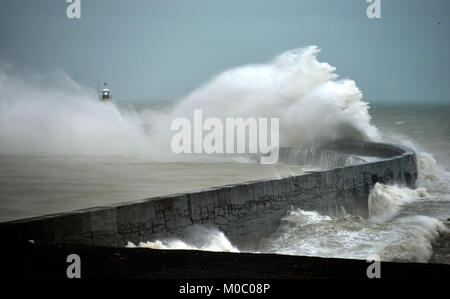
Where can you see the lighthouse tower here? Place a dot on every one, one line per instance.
(105, 94)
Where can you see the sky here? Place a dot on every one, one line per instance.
(165, 49)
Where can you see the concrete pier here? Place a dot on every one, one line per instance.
(240, 210)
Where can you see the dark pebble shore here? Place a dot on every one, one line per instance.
(26, 260)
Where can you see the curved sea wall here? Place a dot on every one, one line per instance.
(240, 210)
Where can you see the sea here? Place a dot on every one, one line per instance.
(62, 150)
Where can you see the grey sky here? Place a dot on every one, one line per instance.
(164, 49)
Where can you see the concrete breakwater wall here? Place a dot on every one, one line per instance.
(240, 210)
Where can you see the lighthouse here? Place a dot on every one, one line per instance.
(105, 94)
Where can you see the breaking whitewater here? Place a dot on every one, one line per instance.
(314, 106)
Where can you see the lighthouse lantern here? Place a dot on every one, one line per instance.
(105, 94)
